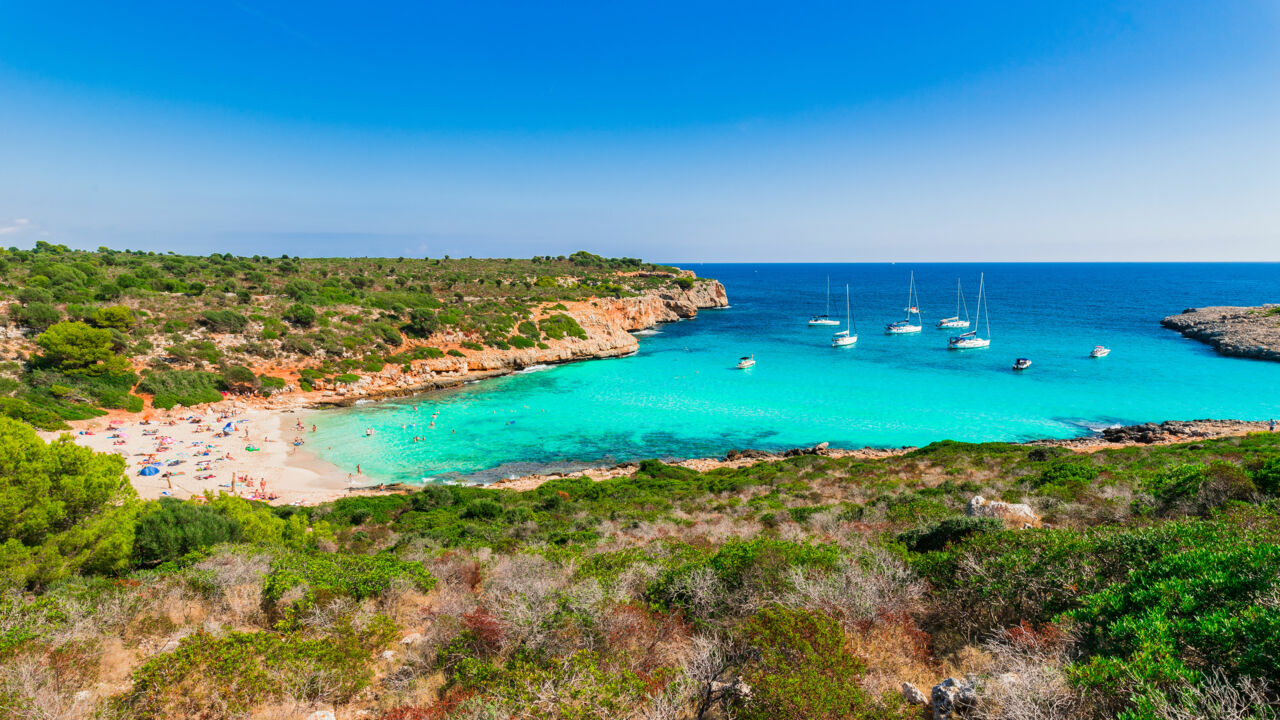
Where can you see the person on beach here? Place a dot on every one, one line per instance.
(1273, 425)
(358, 471)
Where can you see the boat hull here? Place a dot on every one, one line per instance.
(969, 344)
(844, 341)
(902, 329)
(819, 323)
(952, 324)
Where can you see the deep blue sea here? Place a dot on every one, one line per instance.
(681, 396)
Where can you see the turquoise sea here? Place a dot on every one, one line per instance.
(680, 396)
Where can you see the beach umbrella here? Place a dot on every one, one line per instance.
(149, 470)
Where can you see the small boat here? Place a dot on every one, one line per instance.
(824, 319)
(1021, 364)
(849, 335)
(746, 362)
(970, 340)
(1100, 351)
(903, 327)
(955, 321)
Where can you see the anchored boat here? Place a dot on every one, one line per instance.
(849, 335)
(970, 340)
(825, 319)
(903, 327)
(955, 321)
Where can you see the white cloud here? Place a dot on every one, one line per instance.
(18, 225)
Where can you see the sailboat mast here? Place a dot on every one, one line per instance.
(979, 317)
(828, 296)
(984, 302)
(848, 316)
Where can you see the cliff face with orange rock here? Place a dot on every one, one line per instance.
(608, 323)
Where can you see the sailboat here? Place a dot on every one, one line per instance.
(955, 321)
(824, 319)
(903, 327)
(849, 335)
(970, 340)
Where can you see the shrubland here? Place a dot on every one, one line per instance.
(810, 587)
(82, 332)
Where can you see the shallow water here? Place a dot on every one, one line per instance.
(680, 396)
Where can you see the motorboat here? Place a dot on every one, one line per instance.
(1021, 364)
(746, 362)
(1100, 351)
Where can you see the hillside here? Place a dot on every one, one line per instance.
(1136, 582)
(86, 331)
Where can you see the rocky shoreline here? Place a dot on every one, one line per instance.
(608, 323)
(1247, 332)
(1165, 433)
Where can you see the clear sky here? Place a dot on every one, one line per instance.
(842, 131)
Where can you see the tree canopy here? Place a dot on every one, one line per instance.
(63, 508)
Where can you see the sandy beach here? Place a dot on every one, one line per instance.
(225, 447)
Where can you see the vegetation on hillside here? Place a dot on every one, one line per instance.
(84, 329)
(810, 587)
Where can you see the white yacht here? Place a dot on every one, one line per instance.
(970, 340)
(849, 335)
(825, 319)
(1100, 351)
(746, 362)
(903, 327)
(955, 322)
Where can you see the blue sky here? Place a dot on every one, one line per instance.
(901, 131)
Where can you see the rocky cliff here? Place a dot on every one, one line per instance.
(1250, 332)
(608, 323)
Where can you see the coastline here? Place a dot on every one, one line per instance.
(296, 476)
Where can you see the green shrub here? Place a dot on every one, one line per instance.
(758, 565)
(559, 325)
(228, 675)
(114, 316)
(337, 574)
(941, 534)
(171, 528)
(36, 315)
(182, 387)
(1203, 609)
(223, 321)
(301, 315)
(481, 510)
(800, 669)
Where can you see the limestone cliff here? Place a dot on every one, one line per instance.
(608, 323)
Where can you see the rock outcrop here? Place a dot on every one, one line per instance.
(1179, 431)
(1014, 515)
(1248, 332)
(951, 697)
(607, 322)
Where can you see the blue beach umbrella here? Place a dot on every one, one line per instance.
(149, 470)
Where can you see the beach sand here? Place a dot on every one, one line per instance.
(292, 475)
